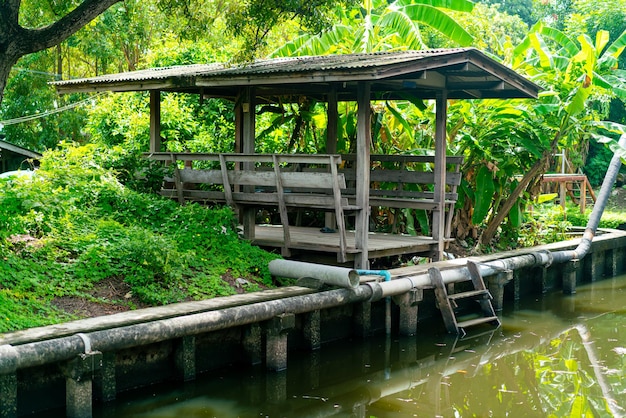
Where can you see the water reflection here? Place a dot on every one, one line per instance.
(554, 356)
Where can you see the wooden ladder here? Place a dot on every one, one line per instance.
(447, 303)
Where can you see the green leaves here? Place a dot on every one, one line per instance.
(440, 21)
(74, 226)
(484, 193)
(384, 26)
(578, 81)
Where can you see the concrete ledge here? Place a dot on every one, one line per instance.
(178, 341)
(147, 315)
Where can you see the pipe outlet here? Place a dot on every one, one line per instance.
(337, 276)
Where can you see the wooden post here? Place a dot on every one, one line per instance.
(440, 173)
(249, 121)
(332, 121)
(282, 208)
(247, 147)
(363, 139)
(155, 121)
(239, 124)
(332, 115)
(583, 196)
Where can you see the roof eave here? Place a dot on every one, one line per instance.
(19, 150)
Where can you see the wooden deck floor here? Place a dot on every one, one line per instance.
(313, 240)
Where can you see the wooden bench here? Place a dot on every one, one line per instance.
(407, 181)
(257, 180)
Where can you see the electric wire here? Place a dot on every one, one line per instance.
(48, 112)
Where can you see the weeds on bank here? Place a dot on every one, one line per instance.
(548, 223)
(73, 225)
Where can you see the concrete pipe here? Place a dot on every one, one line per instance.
(337, 276)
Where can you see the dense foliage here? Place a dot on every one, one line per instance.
(74, 225)
(82, 212)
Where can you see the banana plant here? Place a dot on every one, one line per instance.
(378, 25)
(578, 77)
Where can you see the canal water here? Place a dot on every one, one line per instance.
(554, 356)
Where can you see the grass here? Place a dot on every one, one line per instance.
(73, 232)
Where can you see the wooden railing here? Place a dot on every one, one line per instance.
(325, 182)
(257, 180)
(566, 184)
(406, 181)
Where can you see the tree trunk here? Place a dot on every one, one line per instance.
(6, 63)
(536, 170)
(17, 41)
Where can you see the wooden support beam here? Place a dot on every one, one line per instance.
(247, 146)
(332, 116)
(339, 218)
(177, 180)
(440, 173)
(363, 139)
(228, 193)
(155, 121)
(332, 123)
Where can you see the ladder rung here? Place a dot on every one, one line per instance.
(478, 321)
(470, 294)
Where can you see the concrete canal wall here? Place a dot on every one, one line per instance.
(75, 364)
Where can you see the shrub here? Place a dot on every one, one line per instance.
(74, 224)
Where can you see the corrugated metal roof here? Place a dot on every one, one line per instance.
(468, 68)
(268, 66)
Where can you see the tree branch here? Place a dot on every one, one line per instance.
(536, 170)
(34, 40)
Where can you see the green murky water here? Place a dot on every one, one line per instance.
(555, 356)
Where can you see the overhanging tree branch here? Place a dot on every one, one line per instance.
(35, 40)
(17, 41)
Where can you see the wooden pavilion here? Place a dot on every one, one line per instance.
(443, 74)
